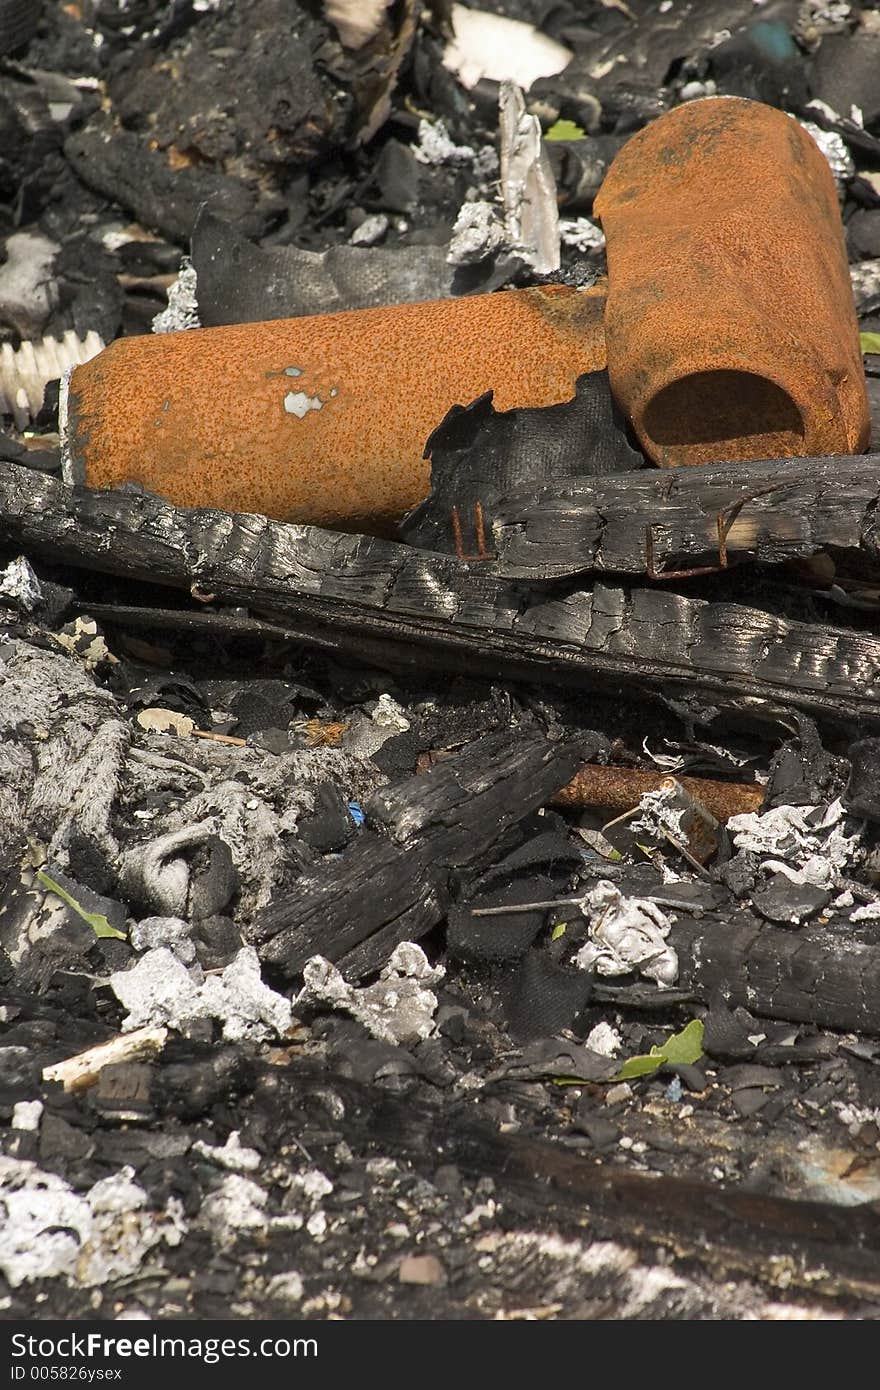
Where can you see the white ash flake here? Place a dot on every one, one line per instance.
(233, 1155)
(172, 932)
(182, 311)
(90, 1239)
(399, 1008)
(287, 1287)
(435, 146)
(238, 1204)
(20, 585)
(160, 990)
(477, 234)
(604, 1039)
(581, 234)
(834, 148)
(388, 714)
(626, 934)
(867, 912)
(865, 279)
(809, 844)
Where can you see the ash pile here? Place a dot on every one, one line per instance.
(378, 902)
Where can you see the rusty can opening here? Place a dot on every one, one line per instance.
(719, 415)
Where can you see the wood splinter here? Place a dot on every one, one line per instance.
(79, 1072)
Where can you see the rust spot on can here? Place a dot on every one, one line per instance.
(730, 321)
(320, 420)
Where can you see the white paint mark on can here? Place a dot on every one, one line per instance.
(299, 404)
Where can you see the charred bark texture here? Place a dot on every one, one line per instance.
(674, 519)
(810, 975)
(439, 821)
(379, 599)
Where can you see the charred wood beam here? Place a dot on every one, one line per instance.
(397, 882)
(829, 1250)
(380, 599)
(657, 521)
(810, 975)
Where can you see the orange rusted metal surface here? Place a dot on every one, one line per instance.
(730, 324)
(320, 420)
(621, 788)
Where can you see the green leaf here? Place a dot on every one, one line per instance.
(869, 342)
(558, 930)
(96, 920)
(686, 1047)
(565, 130)
(681, 1049)
(643, 1065)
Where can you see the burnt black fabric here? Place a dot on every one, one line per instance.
(18, 24)
(239, 282)
(545, 996)
(479, 454)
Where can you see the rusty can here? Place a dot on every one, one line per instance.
(730, 323)
(320, 420)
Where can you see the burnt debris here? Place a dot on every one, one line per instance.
(381, 903)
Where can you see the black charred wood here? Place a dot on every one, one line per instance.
(830, 1250)
(388, 603)
(812, 974)
(665, 520)
(445, 819)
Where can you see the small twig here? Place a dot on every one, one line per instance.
(218, 738)
(681, 904)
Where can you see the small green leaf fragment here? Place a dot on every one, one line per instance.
(568, 1080)
(565, 130)
(558, 930)
(686, 1047)
(869, 342)
(681, 1049)
(643, 1065)
(96, 920)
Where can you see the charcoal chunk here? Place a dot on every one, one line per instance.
(862, 794)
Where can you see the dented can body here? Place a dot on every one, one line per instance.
(320, 420)
(730, 323)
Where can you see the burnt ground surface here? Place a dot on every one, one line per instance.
(462, 1147)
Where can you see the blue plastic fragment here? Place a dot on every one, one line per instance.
(773, 40)
(356, 813)
(673, 1090)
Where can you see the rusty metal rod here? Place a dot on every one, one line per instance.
(620, 789)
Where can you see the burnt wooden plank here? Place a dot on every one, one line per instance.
(810, 975)
(441, 820)
(772, 510)
(380, 599)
